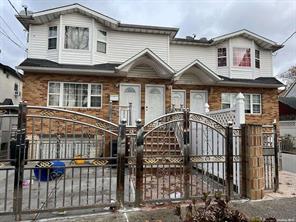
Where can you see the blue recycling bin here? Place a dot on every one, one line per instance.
(49, 170)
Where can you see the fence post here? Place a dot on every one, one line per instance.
(253, 162)
(187, 165)
(139, 163)
(229, 161)
(276, 163)
(240, 117)
(121, 146)
(19, 160)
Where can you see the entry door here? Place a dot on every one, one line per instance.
(198, 99)
(154, 102)
(178, 98)
(130, 93)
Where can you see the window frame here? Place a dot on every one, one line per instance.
(251, 102)
(257, 59)
(89, 38)
(52, 37)
(233, 59)
(101, 41)
(221, 57)
(89, 95)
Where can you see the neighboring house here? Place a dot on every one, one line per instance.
(81, 59)
(287, 107)
(11, 84)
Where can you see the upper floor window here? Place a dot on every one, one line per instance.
(101, 41)
(52, 37)
(76, 37)
(252, 102)
(257, 59)
(222, 61)
(78, 95)
(242, 57)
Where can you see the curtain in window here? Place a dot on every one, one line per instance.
(76, 37)
(75, 95)
(242, 57)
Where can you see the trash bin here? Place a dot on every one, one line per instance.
(49, 170)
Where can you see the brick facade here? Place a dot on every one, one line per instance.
(36, 87)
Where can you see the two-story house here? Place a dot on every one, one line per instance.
(81, 59)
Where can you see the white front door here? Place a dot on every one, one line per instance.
(130, 93)
(154, 102)
(198, 99)
(178, 98)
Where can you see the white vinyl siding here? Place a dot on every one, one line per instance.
(74, 95)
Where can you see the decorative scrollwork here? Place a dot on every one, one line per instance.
(207, 159)
(174, 159)
(131, 161)
(163, 120)
(47, 113)
(100, 162)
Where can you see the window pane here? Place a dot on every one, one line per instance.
(242, 57)
(225, 106)
(52, 43)
(225, 98)
(257, 63)
(52, 31)
(256, 108)
(257, 54)
(222, 61)
(54, 100)
(221, 52)
(101, 47)
(95, 89)
(75, 95)
(95, 101)
(256, 99)
(247, 103)
(102, 36)
(76, 37)
(54, 87)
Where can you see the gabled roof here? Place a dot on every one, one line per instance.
(150, 58)
(8, 70)
(259, 40)
(48, 15)
(211, 74)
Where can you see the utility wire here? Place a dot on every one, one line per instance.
(14, 8)
(12, 31)
(7, 36)
(289, 37)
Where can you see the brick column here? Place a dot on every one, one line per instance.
(252, 162)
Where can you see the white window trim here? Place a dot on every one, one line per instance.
(75, 107)
(251, 102)
(48, 37)
(257, 59)
(242, 67)
(77, 50)
(104, 41)
(222, 57)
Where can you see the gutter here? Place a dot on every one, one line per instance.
(65, 70)
(247, 84)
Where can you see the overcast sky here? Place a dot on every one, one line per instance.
(275, 20)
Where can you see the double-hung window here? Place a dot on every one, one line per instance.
(222, 57)
(75, 95)
(52, 37)
(257, 59)
(242, 57)
(76, 37)
(102, 41)
(252, 102)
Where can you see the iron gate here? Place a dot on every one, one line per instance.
(183, 155)
(60, 160)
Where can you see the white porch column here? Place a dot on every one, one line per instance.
(240, 109)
